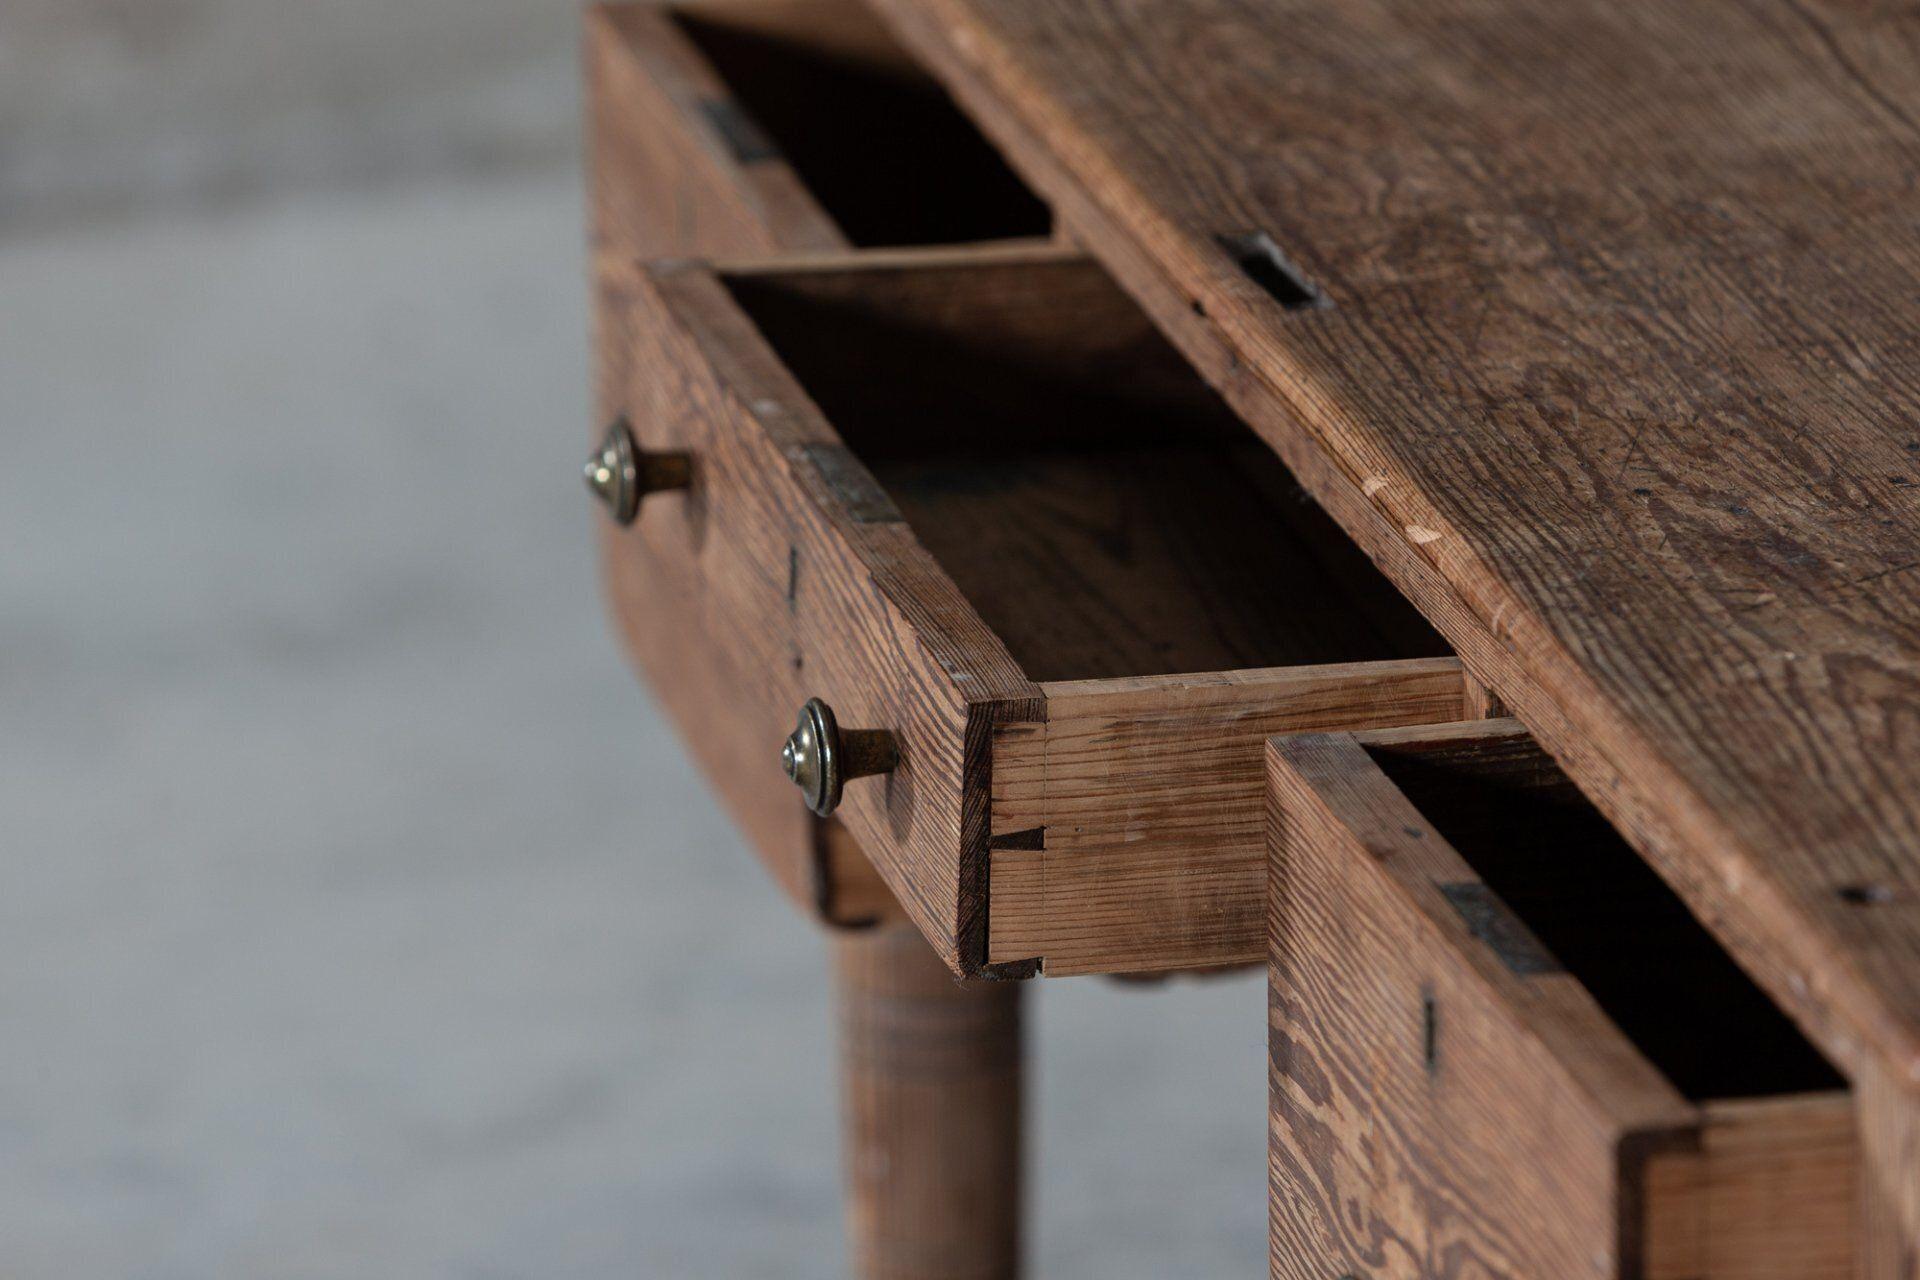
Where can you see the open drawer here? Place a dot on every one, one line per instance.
(727, 127)
(974, 503)
(1502, 1047)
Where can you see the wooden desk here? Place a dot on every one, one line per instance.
(1618, 383)
(1597, 326)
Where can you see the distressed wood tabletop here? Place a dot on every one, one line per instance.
(1598, 325)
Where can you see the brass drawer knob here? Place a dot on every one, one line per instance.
(620, 473)
(821, 757)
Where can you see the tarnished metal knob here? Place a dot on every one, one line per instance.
(821, 757)
(620, 473)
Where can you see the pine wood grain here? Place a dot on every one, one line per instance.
(1617, 356)
(687, 106)
(1077, 585)
(1890, 1148)
(1772, 1193)
(986, 387)
(1615, 384)
(663, 183)
(817, 597)
(1135, 811)
(725, 700)
(1499, 1047)
(1483, 701)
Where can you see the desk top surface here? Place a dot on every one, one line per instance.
(1622, 334)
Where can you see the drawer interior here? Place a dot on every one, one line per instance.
(1098, 505)
(876, 140)
(1607, 918)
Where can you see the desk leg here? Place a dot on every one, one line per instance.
(930, 1073)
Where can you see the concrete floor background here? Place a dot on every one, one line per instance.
(131, 106)
(358, 914)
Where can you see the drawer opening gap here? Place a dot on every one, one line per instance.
(1607, 918)
(823, 85)
(1099, 506)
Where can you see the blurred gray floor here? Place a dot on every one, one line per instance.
(358, 915)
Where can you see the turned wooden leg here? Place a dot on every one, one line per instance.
(930, 1072)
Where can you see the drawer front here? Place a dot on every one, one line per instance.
(717, 664)
(1109, 824)
(677, 168)
(1449, 1097)
(783, 574)
(1128, 828)
(680, 167)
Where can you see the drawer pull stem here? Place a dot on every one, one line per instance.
(820, 757)
(620, 473)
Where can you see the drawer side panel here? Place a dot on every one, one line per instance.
(795, 596)
(1442, 1099)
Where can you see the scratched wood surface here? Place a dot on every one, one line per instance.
(993, 431)
(815, 591)
(1499, 1046)
(664, 182)
(1118, 818)
(1615, 375)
